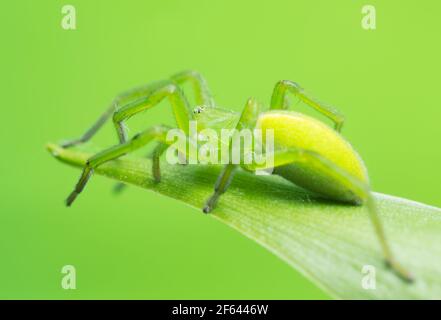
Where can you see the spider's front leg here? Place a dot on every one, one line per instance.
(135, 101)
(180, 106)
(120, 100)
(279, 100)
(158, 133)
(200, 88)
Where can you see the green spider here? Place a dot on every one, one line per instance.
(318, 159)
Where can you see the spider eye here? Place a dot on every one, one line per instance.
(199, 109)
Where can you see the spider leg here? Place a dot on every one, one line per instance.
(222, 184)
(279, 100)
(166, 89)
(158, 133)
(92, 130)
(201, 91)
(121, 99)
(247, 120)
(156, 170)
(200, 87)
(361, 189)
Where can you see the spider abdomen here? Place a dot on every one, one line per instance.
(293, 130)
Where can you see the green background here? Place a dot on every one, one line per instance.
(141, 245)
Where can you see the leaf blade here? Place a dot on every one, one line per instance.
(327, 242)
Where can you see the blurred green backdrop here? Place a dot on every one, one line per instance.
(141, 245)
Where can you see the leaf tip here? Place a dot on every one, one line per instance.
(54, 149)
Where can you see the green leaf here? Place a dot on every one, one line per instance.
(328, 242)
